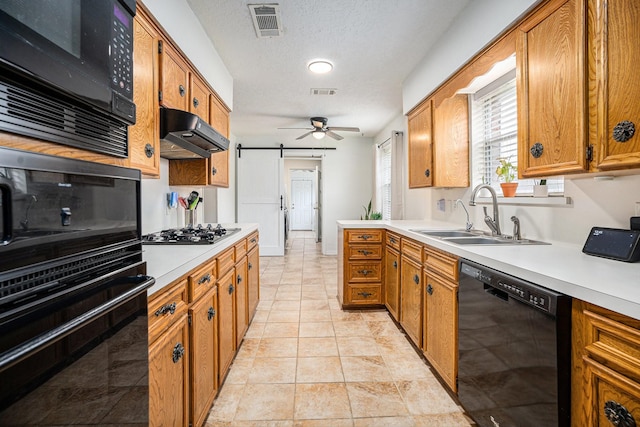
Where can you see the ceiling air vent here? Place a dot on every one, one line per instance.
(323, 91)
(266, 19)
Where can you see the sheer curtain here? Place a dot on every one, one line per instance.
(388, 177)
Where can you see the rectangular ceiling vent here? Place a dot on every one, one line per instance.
(323, 91)
(266, 19)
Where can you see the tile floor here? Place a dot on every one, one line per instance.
(305, 362)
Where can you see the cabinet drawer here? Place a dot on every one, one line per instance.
(365, 252)
(363, 271)
(393, 240)
(202, 280)
(252, 241)
(226, 261)
(241, 249)
(365, 294)
(441, 263)
(166, 307)
(364, 236)
(411, 249)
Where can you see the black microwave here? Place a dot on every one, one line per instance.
(77, 53)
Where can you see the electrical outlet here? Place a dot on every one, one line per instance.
(441, 204)
(454, 205)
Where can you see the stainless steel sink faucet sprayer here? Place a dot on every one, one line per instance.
(469, 224)
(493, 224)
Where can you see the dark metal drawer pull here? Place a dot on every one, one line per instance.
(167, 308)
(365, 252)
(365, 294)
(210, 313)
(250, 266)
(365, 272)
(416, 279)
(395, 264)
(618, 415)
(430, 289)
(181, 90)
(205, 278)
(239, 279)
(392, 240)
(366, 236)
(178, 352)
(231, 289)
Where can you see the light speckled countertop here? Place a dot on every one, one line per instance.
(562, 267)
(167, 263)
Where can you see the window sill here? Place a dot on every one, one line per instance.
(557, 201)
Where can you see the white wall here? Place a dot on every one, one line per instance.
(175, 16)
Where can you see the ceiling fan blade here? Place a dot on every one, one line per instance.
(305, 135)
(344, 129)
(299, 128)
(333, 135)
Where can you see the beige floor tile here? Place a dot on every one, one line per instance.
(285, 305)
(357, 346)
(407, 367)
(394, 345)
(356, 328)
(344, 316)
(316, 329)
(256, 329)
(315, 315)
(261, 316)
(266, 402)
(425, 397)
(319, 370)
(273, 370)
(375, 399)
(322, 401)
(388, 422)
(280, 330)
(449, 420)
(239, 371)
(277, 347)
(314, 304)
(308, 347)
(226, 404)
(384, 328)
(372, 315)
(364, 368)
(323, 423)
(284, 316)
(248, 348)
(319, 295)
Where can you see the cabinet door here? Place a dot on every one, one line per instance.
(144, 152)
(226, 322)
(168, 377)
(451, 142)
(219, 162)
(199, 98)
(551, 90)
(441, 327)
(204, 355)
(174, 79)
(411, 298)
(253, 280)
(242, 308)
(392, 282)
(419, 144)
(613, 65)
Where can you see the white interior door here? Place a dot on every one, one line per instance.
(261, 197)
(301, 204)
(317, 207)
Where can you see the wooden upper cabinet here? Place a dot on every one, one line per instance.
(199, 98)
(174, 79)
(219, 162)
(144, 150)
(614, 60)
(451, 142)
(551, 90)
(420, 146)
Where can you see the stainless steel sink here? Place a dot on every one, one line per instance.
(447, 233)
(476, 237)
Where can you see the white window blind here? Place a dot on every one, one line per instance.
(385, 179)
(494, 135)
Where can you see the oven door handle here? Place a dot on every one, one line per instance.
(24, 350)
(7, 213)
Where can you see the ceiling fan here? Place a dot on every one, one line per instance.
(320, 129)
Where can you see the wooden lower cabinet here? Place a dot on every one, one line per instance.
(411, 298)
(168, 374)
(253, 281)
(204, 355)
(361, 268)
(226, 323)
(242, 309)
(392, 282)
(605, 388)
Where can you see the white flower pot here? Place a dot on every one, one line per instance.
(540, 191)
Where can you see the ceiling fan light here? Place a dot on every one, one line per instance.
(318, 134)
(320, 67)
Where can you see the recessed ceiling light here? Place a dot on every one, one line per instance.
(318, 134)
(320, 66)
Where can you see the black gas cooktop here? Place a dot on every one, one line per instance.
(198, 235)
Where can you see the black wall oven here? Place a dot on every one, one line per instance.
(73, 300)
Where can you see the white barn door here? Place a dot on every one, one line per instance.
(261, 196)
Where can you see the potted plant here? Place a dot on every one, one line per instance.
(540, 188)
(506, 172)
(369, 214)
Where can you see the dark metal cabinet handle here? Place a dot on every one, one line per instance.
(392, 240)
(623, 131)
(618, 415)
(181, 90)
(231, 289)
(365, 252)
(178, 352)
(416, 279)
(536, 150)
(250, 266)
(167, 308)
(430, 289)
(214, 170)
(365, 272)
(395, 264)
(210, 313)
(239, 279)
(205, 278)
(427, 173)
(149, 150)
(365, 294)
(196, 102)
(366, 236)
(253, 240)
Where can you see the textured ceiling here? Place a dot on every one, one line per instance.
(373, 44)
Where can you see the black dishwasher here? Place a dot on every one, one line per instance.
(514, 366)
